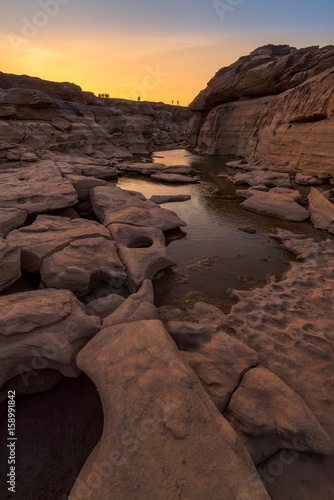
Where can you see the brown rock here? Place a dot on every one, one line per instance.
(11, 218)
(322, 210)
(268, 415)
(10, 264)
(41, 330)
(186, 446)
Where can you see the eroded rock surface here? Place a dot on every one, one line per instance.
(42, 329)
(187, 446)
(11, 218)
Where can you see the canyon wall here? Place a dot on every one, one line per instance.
(276, 103)
(54, 116)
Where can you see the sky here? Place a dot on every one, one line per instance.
(159, 50)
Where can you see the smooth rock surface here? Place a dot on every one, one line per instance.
(281, 206)
(185, 439)
(322, 210)
(161, 199)
(113, 205)
(175, 178)
(104, 306)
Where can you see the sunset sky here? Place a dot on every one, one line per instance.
(160, 50)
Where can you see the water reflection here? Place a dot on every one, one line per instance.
(238, 260)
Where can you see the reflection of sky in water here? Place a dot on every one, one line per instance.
(212, 229)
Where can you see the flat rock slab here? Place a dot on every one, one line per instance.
(50, 234)
(82, 264)
(142, 251)
(11, 218)
(161, 199)
(281, 206)
(42, 329)
(10, 264)
(266, 178)
(141, 168)
(101, 171)
(115, 205)
(186, 444)
(36, 189)
(322, 210)
(175, 178)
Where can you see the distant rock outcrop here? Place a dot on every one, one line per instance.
(60, 116)
(278, 102)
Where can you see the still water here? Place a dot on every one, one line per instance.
(233, 259)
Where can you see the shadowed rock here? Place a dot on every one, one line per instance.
(10, 264)
(11, 218)
(40, 330)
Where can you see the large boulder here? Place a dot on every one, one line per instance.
(166, 439)
(268, 70)
(269, 416)
(42, 329)
(322, 210)
(114, 205)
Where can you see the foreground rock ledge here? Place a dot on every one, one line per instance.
(163, 437)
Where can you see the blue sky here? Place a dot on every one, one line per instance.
(107, 45)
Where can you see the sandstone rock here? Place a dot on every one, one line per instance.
(36, 189)
(307, 180)
(104, 306)
(161, 199)
(11, 218)
(130, 311)
(142, 251)
(179, 169)
(114, 205)
(84, 184)
(219, 364)
(175, 178)
(296, 124)
(267, 70)
(268, 415)
(50, 234)
(26, 97)
(182, 431)
(269, 179)
(31, 383)
(83, 264)
(10, 264)
(41, 330)
(281, 206)
(61, 124)
(322, 210)
(142, 168)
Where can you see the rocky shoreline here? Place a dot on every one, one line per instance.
(196, 402)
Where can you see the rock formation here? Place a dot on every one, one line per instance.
(275, 103)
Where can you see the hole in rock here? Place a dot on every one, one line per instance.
(140, 242)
